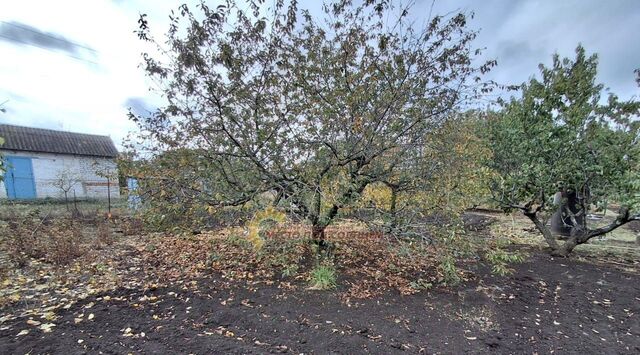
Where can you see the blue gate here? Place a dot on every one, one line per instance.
(18, 179)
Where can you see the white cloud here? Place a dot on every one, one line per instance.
(84, 93)
(88, 93)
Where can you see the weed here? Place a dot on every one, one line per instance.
(290, 270)
(131, 226)
(420, 285)
(323, 277)
(238, 241)
(212, 258)
(449, 271)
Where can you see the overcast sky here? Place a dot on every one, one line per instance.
(73, 64)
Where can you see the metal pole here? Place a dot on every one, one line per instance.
(109, 194)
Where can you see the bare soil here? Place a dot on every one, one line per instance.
(561, 306)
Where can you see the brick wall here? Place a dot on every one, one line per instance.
(80, 171)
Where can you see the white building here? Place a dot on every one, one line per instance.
(43, 163)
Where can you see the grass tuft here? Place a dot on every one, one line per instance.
(323, 277)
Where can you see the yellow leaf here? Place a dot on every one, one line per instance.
(49, 316)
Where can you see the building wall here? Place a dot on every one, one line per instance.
(82, 173)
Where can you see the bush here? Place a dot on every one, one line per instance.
(104, 235)
(131, 225)
(20, 238)
(453, 244)
(32, 237)
(64, 243)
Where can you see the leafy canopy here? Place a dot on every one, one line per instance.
(562, 135)
(284, 102)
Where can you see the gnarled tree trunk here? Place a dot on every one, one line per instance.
(561, 222)
(579, 234)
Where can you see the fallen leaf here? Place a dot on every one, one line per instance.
(49, 316)
(47, 327)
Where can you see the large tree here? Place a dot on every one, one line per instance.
(562, 139)
(278, 100)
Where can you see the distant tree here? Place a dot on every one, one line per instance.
(445, 178)
(300, 107)
(559, 138)
(66, 180)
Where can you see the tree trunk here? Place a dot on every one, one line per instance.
(392, 208)
(317, 233)
(318, 238)
(561, 223)
(546, 232)
(579, 234)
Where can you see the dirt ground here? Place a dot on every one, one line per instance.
(547, 306)
(155, 295)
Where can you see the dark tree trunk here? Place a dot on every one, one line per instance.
(579, 234)
(317, 233)
(561, 222)
(392, 208)
(546, 232)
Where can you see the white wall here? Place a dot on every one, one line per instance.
(80, 171)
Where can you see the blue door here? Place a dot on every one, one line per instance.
(18, 179)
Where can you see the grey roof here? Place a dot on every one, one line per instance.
(51, 141)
